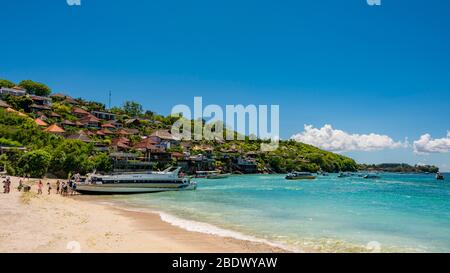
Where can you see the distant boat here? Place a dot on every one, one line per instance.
(132, 183)
(300, 176)
(440, 176)
(218, 176)
(342, 175)
(371, 176)
(205, 174)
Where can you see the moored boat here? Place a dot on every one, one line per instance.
(371, 176)
(300, 176)
(343, 175)
(218, 176)
(133, 183)
(440, 176)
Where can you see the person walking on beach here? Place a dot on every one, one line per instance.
(8, 185)
(40, 186)
(20, 187)
(64, 189)
(5, 186)
(58, 187)
(49, 188)
(74, 188)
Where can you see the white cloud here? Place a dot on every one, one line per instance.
(335, 140)
(426, 144)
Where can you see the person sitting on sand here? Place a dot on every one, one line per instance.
(49, 188)
(58, 184)
(40, 186)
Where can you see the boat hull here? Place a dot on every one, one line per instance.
(301, 178)
(117, 189)
(219, 176)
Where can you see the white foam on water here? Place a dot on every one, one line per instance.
(205, 228)
(195, 226)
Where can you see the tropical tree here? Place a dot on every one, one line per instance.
(19, 102)
(132, 108)
(35, 88)
(102, 162)
(34, 163)
(6, 83)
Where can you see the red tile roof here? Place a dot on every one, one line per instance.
(163, 134)
(147, 143)
(78, 110)
(54, 115)
(4, 104)
(108, 125)
(15, 112)
(40, 122)
(106, 132)
(122, 132)
(177, 155)
(54, 129)
(89, 118)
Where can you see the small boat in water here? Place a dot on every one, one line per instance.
(218, 176)
(205, 174)
(343, 175)
(440, 176)
(371, 176)
(132, 183)
(300, 176)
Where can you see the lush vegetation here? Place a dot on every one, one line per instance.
(290, 156)
(35, 88)
(45, 153)
(6, 83)
(48, 154)
(399, 168)
(21, 103)
(132, 108)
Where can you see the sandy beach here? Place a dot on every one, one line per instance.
(52, 223)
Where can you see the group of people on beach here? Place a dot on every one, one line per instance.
(63, 188)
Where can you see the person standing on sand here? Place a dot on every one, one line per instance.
(58, 187)
(8, 185)
(64, 189)
(74, 188)
(20, 187)
(40, 186)
(4, 186)
(49, 188)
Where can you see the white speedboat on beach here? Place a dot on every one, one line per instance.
(132, 183)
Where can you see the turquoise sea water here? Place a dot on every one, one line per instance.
(397, 213)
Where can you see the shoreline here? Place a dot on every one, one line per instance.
(52, 224)
(200, 227)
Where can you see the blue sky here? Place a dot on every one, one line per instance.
(362, 69)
